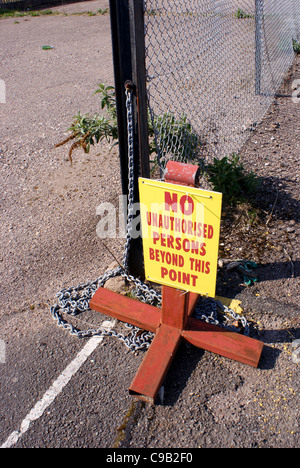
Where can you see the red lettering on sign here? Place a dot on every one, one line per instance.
(179, 276)
(164, 272)
(175, 224)
(187, 245)
(155, 237)
(166, 257)
(186, 205)
(199, 265)
(151, 253)
(171, 201)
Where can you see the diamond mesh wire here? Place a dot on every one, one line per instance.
(213, 68)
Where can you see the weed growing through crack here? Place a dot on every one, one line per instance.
(11, 13)
(241, 14)
(296, 46)
(87, 130)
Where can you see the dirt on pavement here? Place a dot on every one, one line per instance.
(49, 241)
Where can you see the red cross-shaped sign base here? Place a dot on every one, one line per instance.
(172, 323)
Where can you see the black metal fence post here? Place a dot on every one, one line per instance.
(127, 28)
(136, 10)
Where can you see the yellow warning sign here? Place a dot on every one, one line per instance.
(180, 230)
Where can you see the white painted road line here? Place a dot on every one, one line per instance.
(38, 410)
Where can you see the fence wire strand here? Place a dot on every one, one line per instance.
(213, 68)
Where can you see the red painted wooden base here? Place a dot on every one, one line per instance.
(171, 324)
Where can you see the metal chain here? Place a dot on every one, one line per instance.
(213, 311)
(75, 300)
(129, 109)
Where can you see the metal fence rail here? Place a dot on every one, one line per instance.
(212, 70)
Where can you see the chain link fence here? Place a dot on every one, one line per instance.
(213, 68)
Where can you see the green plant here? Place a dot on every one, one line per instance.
(108, 99)
(241, 14)
(88, 129)
(296, 46)
(228, 176)
(6, 13)
(103, 12)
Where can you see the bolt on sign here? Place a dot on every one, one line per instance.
(180, 230)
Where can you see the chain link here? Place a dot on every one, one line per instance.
(130, 174)
(75, 300)
(213, 311)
